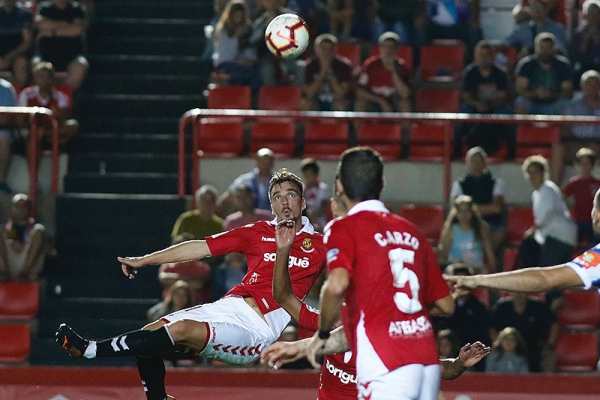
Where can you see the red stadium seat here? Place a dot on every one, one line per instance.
(15, 343)
(278, 136)
(437, 100)
(404, 52)
(221, 139)
(19, 300)
(351, 51)
(519, 220)
(535, 140)
(284, 98)
(325, 141)
(385, 138)
(427, 143)
(576, 351)
(429, 219)
(581, 310)
(510, 257)
(443, 63)
(223, 97)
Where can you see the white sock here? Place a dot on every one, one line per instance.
(90, 351)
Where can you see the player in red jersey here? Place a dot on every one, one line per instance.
(236, 328)
(386, 271)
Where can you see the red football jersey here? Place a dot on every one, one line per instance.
(337, 380)
(582, 190)
(30, 97)
(257, 242)
(394, 275)
(375, 78)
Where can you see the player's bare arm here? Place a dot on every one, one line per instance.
(285, 234)
(469, 355)
(524, 280)
(443, 306)
(182, 252)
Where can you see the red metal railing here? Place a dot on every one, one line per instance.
(194, 116)
(34, 146)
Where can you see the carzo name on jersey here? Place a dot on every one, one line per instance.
(396, 238)
(293, 261)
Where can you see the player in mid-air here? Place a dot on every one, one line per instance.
(582, 271)
(387, 273)
(236, 328)
(338, 373)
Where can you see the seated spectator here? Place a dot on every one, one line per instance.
(24, 243)
(585, 43)
(228, 274)
(316, 193)
(203, 221)
(16, 40)
(246, 214)
(232, 53)
(543, 79)
(179, 296)
(195, 273)
(581, 189)
(553, 235)
(340, 16)
(573, 137)
(8, 98)
(448, 343)
(487, 192)
(44, 94)
(524, 34)
(470, 320)
(258, 179)
(556, 10)
(485, 90)
(327, 78)
(454, 19)
(466, 237)
(509, 353)
(534, 320)
(62, 28)
(408, 21)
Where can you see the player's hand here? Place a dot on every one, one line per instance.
(471, 354)
(461, 283)
(312, 346)
(280, 353)
(285, 233)
(129, 265)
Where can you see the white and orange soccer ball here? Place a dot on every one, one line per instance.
(287, 36)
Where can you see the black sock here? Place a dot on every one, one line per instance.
(152, 372)
(137, 343)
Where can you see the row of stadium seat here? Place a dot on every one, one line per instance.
(19, 306)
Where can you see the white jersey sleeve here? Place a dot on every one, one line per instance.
(587, 266)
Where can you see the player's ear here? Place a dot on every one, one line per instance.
(303, 204)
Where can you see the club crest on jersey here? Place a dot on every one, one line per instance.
(332, 255)
(589, 259)
(307, 246)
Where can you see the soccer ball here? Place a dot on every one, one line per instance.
(286, 36)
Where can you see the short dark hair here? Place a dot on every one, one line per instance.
(361, 173)
(309, 164)
(283, 175)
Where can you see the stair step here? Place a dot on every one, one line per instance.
(122, 162)
(121, 183)
(127, 143)
(150, 27)
(138, 64)
(132, 124)
(165, 9)
(146, 84)
(138, 105)
(163, 45)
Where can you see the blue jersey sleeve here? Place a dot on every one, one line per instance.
(587, 266)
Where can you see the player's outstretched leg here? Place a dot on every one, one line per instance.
(152, 373)
(142, 343)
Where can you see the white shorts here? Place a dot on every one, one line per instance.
(237, 334)
(410, 382)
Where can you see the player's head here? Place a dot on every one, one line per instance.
(361, 174)
(285, 193)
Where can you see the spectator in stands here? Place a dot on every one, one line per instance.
(228, 274)
(470, 320)
(543, 79)
(327, 78)
(195, 273)
(8, 98)
(203, 221)
(581, 189)
(535, 322)
(231, 51)
(316, 193)
(523, 37)
(45, 94)
(24, 243)
(408, 21)
(218, 7)
(556, 10)
(487, 192)
(257, 179)
(509, 353)
(246, 214)
(62, 28)
(585, 43)
(448, 343)
(340, 15)
(179, 296)
(16, 40)
(485, 90)
(466, 237)
(573, 137)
